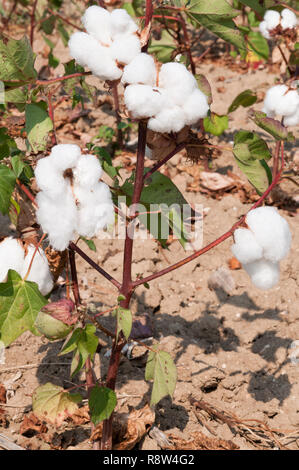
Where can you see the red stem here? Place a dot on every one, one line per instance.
(54, 13)
(26, 191)
(51, 114)
(60, 79)
(219, 240)
(164, 160)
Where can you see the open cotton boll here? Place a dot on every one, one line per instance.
(11, 257)
(271, 232)
(196, 107)
(125, 48)
(64, 156)
(272, 19)
(88, 171)
(39, 271)
(264, 29)
(121, 22)
(280, 100)
(57, 218)
(178, 82)
(263, 273)
(96, 21)
(168, 120)
(141, 70)
(143, 101)
(292, 120)
(289, 19)
(246, 249)
(48, 178)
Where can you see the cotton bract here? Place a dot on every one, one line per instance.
(282, 101)
(260, 247)
(13, 256)
(287, 20)
(76, 202)
(172, 104)
(110, 41)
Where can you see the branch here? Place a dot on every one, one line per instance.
(54, 13)
(223, 237)
(60, 79)
(164, 160)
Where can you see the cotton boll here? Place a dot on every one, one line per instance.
(196, 107)
(271, 231)
(11, 257)
(292, 120)
(143, 101)
(96, 21)
(246, 249)
(105, 67)
(289, 19)
(264, 30)
(272, 19)
(88, 171)
(125, 48)
(122, 23)
(141, 70)
(58, 218)
(168, 120)
(64, 156)
(263, 273)
(39, 271)
(48, 178)
(280, 100)
(178, 82)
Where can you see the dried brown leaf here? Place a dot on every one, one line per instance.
(31, 425)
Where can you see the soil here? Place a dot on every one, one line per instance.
(232, 350)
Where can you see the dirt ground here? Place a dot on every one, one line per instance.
(232, 350)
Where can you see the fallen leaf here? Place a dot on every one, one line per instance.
(31, 425)
(215, 181)
(2, 394)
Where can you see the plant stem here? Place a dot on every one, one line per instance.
(51, 115)
(223, 237)
(284, 59)
(54, 13)
(27, 192)
(60, 79)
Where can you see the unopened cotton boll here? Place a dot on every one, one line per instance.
(272, 19)
(271, 232)
(39, 271)
(122, 23)
(168, 120)
(246, 248)
(96, 21)
(11, 257)
(263, 273)
(88, 171)
(288, 19)
(196, 107)
(48, 178)
(141, 70)
(125, 48)
(143, 101)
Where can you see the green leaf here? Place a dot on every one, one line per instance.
(204, 86)
(163, 48)
(84, 343)
(17, 60)
(215, 124)
(212, 7)
(38, 125)
(294, 58)
(53, 404)
(7, 144)
(17, 165)
(245, 99)
(258, 44)
(20, 302)
(102, 401)
(270, 125)
(161, 369)
(14, 212)
(248, 145)
(90, 243)
(48, 24)
(124, 321)
(120, 298)
(258, 174)
(16, 95)
(63, 33)
(7, 184)
(255, 5)
(106, 162)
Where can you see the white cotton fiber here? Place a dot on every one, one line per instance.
(264, 30)
(263, 273)
(281, 100)
(48, 178)
(64, 156)
(141, 70)
(178, 82)
(246, 248)
(122, 23)
(88, 171)
(39, 271)
(292, 120)
(96, 21)
(195, 107)
(272, 19)
(11, 257)
(289, 19)
(168, 120)
(271, 232)
(143, 101)
(125, 48)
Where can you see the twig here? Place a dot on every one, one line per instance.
(61, 79)
(54, 13)
(164, 160)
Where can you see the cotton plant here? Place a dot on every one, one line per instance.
(72, 200)
(283, 101)
(286, 20)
